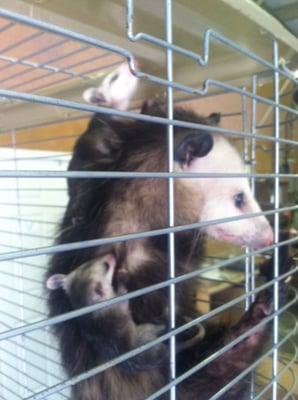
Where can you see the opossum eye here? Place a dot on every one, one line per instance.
(192, 146)
(239, 200)
(106, 266)
(114, 78)
(98, 289)
(214, 118)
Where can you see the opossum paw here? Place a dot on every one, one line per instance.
(238, 357)
(157, 329)
(155, 355)
(263, 305)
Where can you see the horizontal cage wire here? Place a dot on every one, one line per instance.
(45, 68)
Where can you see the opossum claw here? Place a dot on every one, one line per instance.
(242, 354)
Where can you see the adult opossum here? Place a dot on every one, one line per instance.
(107, 207)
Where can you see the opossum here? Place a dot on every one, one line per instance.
(108, 207)
(116, 89)
(108, 333)
(104, 208)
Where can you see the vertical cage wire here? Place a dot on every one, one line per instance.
(276, 219)
(251, 266)
(249, 154)
(171, 201)
(252, 272)
(247, 160)
(18, 267)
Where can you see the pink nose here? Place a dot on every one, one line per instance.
(269, 238)
(137, 63)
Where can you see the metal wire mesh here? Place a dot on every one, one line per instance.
(34, 57)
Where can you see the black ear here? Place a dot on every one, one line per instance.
(192, 146)
(214, 118)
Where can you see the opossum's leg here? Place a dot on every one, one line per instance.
(113, 333)
(285, 259)
(141, 334)
(97, 144)
(96, 150)
(241, 355)
(208, 381)
(156, 355)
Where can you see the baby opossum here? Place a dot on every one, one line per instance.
(108, 333)
(116, 90)
(108, 207)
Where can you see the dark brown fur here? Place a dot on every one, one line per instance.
(107, 207)
(111, 332)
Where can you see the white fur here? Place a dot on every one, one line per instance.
(218, 198)
(115, 93)
(138, 254)
(98, 274)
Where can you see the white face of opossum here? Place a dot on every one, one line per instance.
(116, 90)
(98, 274)
(222, 197)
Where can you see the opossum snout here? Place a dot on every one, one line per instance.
(263, 236)
(258, 233)
(268, 237)
(255, 233)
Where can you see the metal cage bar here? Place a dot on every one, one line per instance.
(276, 220)
(152, 233)
(171, 200)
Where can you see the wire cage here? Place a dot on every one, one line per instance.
(45, 67)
